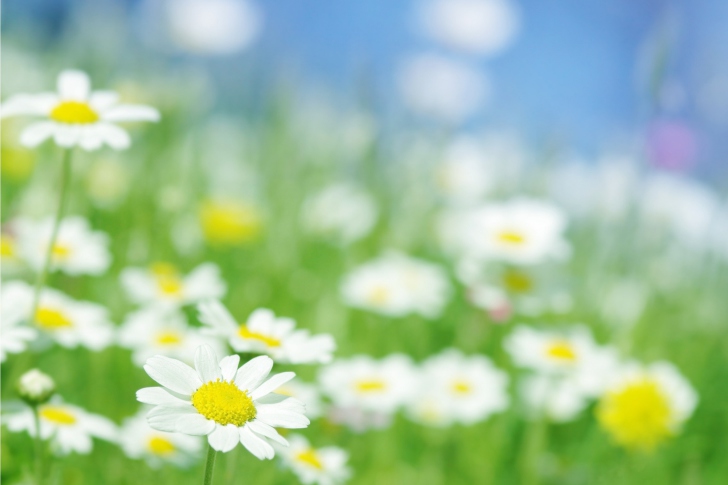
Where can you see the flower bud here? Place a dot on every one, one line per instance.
(35, 387)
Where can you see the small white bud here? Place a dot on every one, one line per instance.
(35, 387)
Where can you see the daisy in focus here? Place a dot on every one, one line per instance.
(322, 466)
(265, 333)
(76, 116)
(77, 250)
(70, 428)
(163, 284)
(342, 212)
(644, 406)
(140, 441)
(229, 405)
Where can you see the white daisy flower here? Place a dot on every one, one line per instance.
(455, 388)
(646, 405)
(68, 322)
(368, 384)
(75, 116)
(216, 399)
(560, 399)
(140, 441)
(163, 284)
(322, 466)
(162, 331)
(521, 231)
(307, 393)
(77, 250)
(69, 427)
(265, 333)
(343, 212)
(15, 334)
(395, 285)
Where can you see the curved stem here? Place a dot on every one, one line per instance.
(62, 197)
(209, 465)
(38, 448)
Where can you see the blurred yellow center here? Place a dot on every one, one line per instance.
(61, 252)
(637, 416)
(461, 387)
(52, 319)
(517, 281)
(561, 350)
(161, 446)
(224, 403)
(245, 333)
(511, 237)
(229, 222)
(74, 112)
(7, 246)
(57, 415)
(370, 385)
(168, 279)
(378, 295)
(309, 457)
(168, 338)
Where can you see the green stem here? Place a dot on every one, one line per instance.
(209, 466)
(62, 197)
(38, 448)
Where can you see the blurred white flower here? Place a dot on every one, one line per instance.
(75, 116)
(322, 466)
(162, 284)
(557, 398)
(483, 27)
(35, 387)
(140, 441)
(162, 331)
(78, 249)
(646, 405)
(465, 174)
(68, 427)
(395, 285)
(342, 212)
(442, 88)
(307, 393)
(265, 333)
(16, 335)
(455, 388)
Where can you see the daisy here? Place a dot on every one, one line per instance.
(229, 222)
(140, 441)
(265, 333)
(70, 428)
(162, 331)
(455, 388)
(77, 250)
(163, 284)
(322, 466)
(342, 212)
(75, 116)
(368, 384)
(217, 399)
(15, 334)
(68, 322)
(646, 405)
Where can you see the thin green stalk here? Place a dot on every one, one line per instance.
(209, 466)
(62, 197)
(38, 448)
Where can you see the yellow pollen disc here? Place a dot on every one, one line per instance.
(57, 415)
(561, 350)
(74, 112)
(378, 295)
(168, 338)
(309, 457)
(51, 319)
(462, 387)
(224, 403)
(229, 222)
(517, 281)
(370, 385)
(61, 252)
(637, 416)
(168, 279)
(511, 237)
(245, 333)
(7, 246)
(161, 446)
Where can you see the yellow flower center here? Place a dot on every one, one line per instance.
(370, 385)
(224, 403)
(60, 252)
(229, 222)
(74, 112)
(561, 350)
(511, 237)
(52, 319)
(161, 446)
(7, 246)
(309, 457)
(168, 338)
(517, 281)
(378, 296)
(462, 387)
(245, 333)
(57, 415)
(168, 279)
(638, 415)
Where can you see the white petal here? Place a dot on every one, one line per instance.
(103, 100)
(37, 133)
(214, 314)
(269, 432)
(253, 372)
(131, 112)
(229, 367)
(90, 138)
(257, 446)
(173, 374)
(28, 104)
(117, 138)
(281, 418)
(164, 418)
(206, 364)
(194, 424)
(74, 84)
(66, 135)
(224, 438)
(272, 384)
(157, 396)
